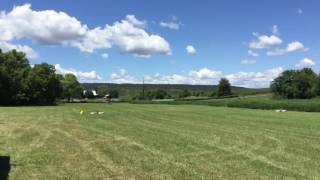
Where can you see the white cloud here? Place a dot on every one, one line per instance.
(128, 36)
(291, 47)
(252, 53)
(96, 38)
(105, 55)
(305, 63)
(191, 50)
(205, 73)
(254, 79)
(44, 27)
(50, 27)
(300, 11)
(275, 30)
(90, 76)
(123, 77)
(133, 20)
(133, 40)
(5, 46)
(203, 76)
(170, 25)
(265, 41)
(248, 62)
(171, 79)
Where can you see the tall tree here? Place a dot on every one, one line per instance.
(224, 88)
(14, 67)
(71, 87)
(102, 90)
(42, 85)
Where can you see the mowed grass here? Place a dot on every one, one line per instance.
(265, 102)
(131, 141)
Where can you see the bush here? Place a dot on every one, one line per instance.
(161, 94)
(295, 84)
(114, 93)
(185, 93)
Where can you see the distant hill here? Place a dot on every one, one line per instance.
(130, 90)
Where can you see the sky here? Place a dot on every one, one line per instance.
(249, 42)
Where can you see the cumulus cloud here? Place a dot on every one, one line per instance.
(306, 63)
(248, 62)
(252, 53)
(128, 36)
(30, 53)
(133, 20)
(208, 77)
(203, 76)
(44, 27)
(205, 73)
(105, 55)
(265, 41)
(254, 79)
(168, 79)
(96, 38)
(191, 50)
(133, 40)
(122, 76)
(291, 47)
(90, 76)
(50, 27)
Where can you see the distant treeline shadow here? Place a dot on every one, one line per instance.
(4, 167)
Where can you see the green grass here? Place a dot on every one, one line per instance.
(159, 142)
(251, 102)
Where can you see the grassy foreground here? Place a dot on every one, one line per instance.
(159, 142)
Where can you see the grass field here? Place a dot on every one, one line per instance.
(159, 142)
(252, 102)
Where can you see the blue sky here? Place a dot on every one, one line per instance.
(249, 42)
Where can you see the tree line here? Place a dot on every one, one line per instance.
(23, 84)
(39, 84)
(297, 84)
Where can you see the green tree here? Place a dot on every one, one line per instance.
(298, 84)
(114, 93)
(102, 90)
(14, 67)
(89, 94)
(224, 88)
(71, 87)
(149, 95)
(22, 84)
(184, 93)
(161, 94)
(42, 85)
